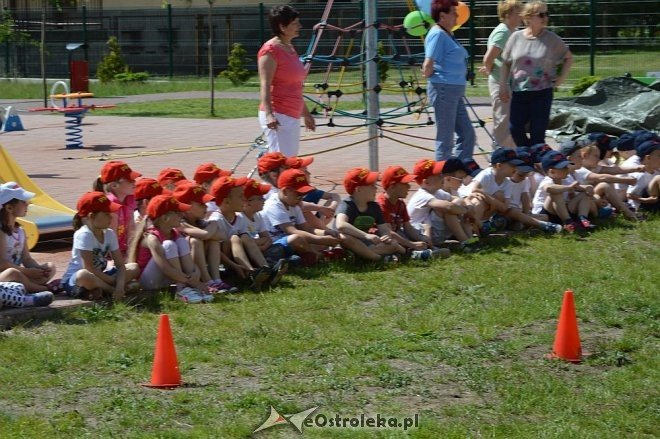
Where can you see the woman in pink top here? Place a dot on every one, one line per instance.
(282, 75)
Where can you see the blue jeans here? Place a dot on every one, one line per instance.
(533, 108)
(451, 116)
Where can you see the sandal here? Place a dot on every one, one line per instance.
(55, 286)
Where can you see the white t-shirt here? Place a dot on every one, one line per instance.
(276, 212)
(643, 180)
(237, 227)
(254, 228)
(515, 190)
(581, 175)
(84, 240)
(14, 244)
(418, 206)
(211, 207)
(541, 193)
(486, 179)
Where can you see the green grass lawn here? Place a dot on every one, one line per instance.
(611, 63)
(461, 342)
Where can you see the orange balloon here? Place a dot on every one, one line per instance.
(463, 12)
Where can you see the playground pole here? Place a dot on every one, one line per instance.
(373, 110)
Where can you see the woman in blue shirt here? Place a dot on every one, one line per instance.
(445, 66)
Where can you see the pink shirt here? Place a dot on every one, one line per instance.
(144, 254)
(286, 89)
(124, 219)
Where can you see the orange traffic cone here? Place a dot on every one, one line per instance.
(567, 340)
(165, 373)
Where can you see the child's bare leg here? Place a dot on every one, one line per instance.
(516, 214)
(199, 257)
(132, 272)
(238, 251)
(606, 191)
(361, 249)
(213, 258)
(654, 187)
(556, 204)
(15, 275)
(253, 251)
(43, 279)
(89, 281)
(453, 223)
(313, 220)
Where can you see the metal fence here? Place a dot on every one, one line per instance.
(174, 41)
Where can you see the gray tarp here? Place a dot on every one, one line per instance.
(613, 106)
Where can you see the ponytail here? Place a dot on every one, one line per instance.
(97, 185)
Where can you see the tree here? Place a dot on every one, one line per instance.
(236, 71)
(112, 64)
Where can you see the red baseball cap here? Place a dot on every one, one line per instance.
(253, 188)
(117, 170)
(298, 162)
(395, 174)
(207, 172)
(92, 202)
(270, 161)
(188, 191)
(147, 188)
(294, 179)
(426, 168)
(223, 185)
(170, 175)
(359, 177)
(161, 204)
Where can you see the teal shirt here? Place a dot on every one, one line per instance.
(498, 38)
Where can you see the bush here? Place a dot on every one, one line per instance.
(236, 71)
(112, 63)
(383, 66)
(128, 76)
(584, 83)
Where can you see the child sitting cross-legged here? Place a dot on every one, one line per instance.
(205, 175)
(645, 194)
(396, 184)
(360, 219)
(288, 227)
(94, 243)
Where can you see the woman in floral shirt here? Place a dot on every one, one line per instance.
(529, 74)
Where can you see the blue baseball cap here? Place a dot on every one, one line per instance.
(537, 151)
(554, 160)
(471, 167)
(528, 163)
(570, 146)
(505, 155)
(643, 136)
(626, 142)
(647, 147)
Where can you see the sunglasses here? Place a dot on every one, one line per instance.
(543, 14)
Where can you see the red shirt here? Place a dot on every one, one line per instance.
(395, 214)
(286, 89)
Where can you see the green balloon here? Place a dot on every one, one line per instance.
(417, 23)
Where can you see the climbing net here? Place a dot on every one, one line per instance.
(348, 54)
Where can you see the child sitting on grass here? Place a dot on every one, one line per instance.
(168, 178)
(15, 259)
(205, 175)
(163, 253)
(117, 180)
(94, 243)
(644, 194)
(396, 184)
(561, 198)
(14, 295)
(319, 207)
(239, 252)
(145, 189)
(288, 227)
(204, 236)
(360, 219)
(435, 213)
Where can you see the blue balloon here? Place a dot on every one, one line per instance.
(424, 5)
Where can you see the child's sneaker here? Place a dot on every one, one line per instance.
(586, 224)
(549, 227)
(486, 228)
(390, 259)
(605, 212)
(423, 255)
(259, 277)
(498, 221)
(44, 298)
(223, 287)
(571, 226)
(207, 297)
(294, 260)
(470, 245)
(279, 270)
(189, 295)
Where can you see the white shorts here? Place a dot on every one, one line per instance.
(286, 138)
(152, 277)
